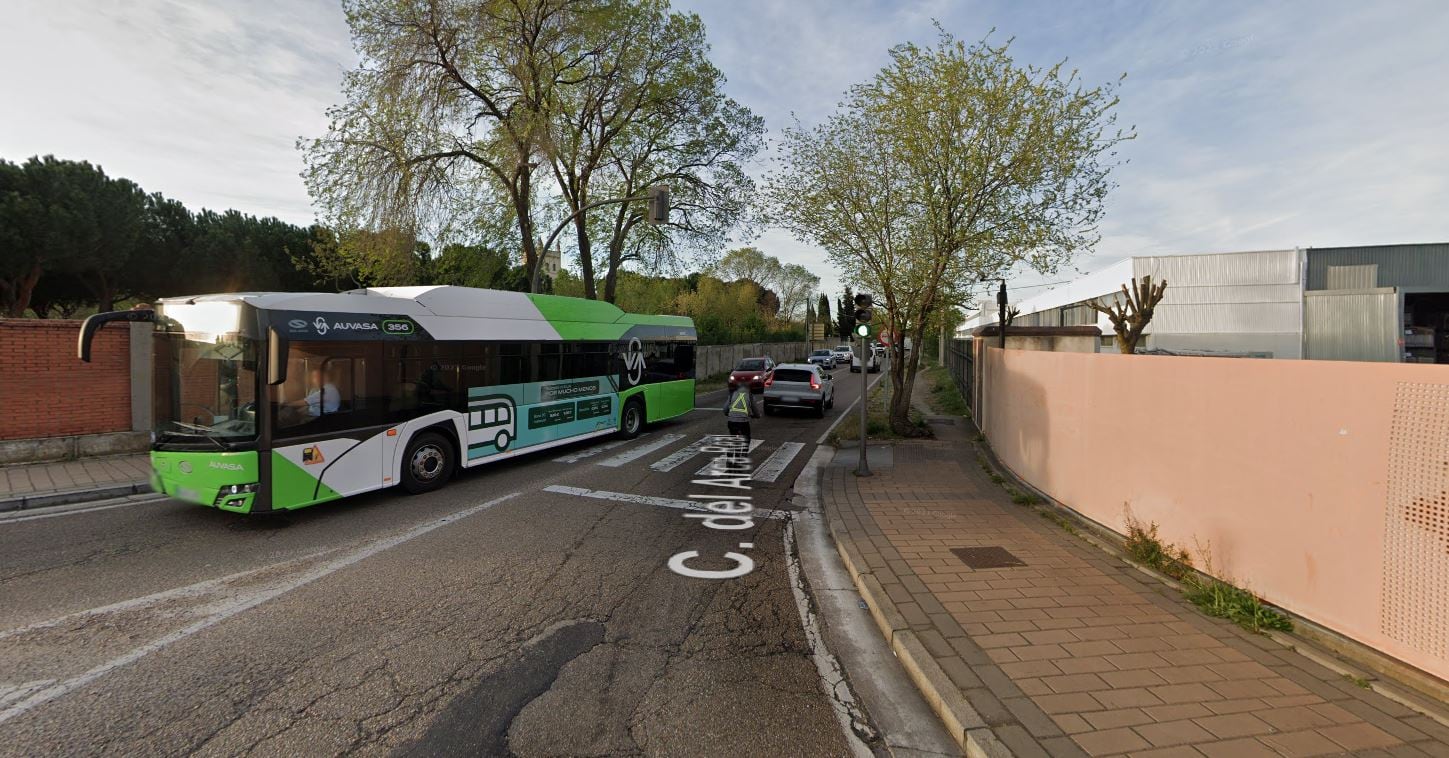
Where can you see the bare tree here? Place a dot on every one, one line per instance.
(1131, 312)
(447, 112)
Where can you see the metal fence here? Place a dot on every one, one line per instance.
(959, 363)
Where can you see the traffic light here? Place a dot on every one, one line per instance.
(862, 311)
(863, 330)
(659, 204)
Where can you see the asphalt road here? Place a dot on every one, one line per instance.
(527, 608)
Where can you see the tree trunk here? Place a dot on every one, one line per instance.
(903, 376)
(19, 290)
(586, 256)
(521, 205)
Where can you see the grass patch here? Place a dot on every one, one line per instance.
(1358, 681)
(1058, 519)
(1022, 498)
(1222, 600)
(711, 383)
(1144, 547)
(945, 398)
(877, 421)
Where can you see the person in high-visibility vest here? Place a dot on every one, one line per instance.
(739, 410)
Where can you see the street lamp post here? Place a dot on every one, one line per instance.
(1001, 309)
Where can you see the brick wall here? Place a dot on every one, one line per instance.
(45, 391)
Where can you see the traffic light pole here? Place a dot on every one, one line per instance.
(862, 466)
(863, 302)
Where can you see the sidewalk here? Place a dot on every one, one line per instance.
(1076, 652)
(33, 485)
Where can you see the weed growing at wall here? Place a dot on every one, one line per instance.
(1144, 547)
(1223, 600)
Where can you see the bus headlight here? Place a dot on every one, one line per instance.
(232, 490)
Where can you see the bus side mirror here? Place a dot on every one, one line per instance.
(276, 356)
(94, 322)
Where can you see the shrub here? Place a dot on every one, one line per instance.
(1144, 547)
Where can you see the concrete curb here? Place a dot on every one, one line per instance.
(962, 721)
(66, 497)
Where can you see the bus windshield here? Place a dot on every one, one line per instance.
(205, 391)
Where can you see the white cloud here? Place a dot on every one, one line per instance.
(1260, 125)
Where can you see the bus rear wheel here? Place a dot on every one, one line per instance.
(631, 421)
(427, 463)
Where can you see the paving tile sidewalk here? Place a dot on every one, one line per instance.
(39, 479)
(1077, 652)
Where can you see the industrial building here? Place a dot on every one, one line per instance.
(1372, 303)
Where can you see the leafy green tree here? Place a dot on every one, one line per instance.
(952, 163)
(845, 316)
(822, 312)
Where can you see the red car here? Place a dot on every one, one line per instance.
(752, 371)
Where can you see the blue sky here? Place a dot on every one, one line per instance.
(1261, 125)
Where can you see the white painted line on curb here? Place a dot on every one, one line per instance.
(590, 452)
(662, 502)
(708, 468)
(846, 413)
(56, 511)
(634, 454)
(778, 461)
(238, 605)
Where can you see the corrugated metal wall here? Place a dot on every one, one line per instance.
(1360, 325)
(1232, 302)
(1422, 266)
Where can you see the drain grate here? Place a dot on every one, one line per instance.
(992, 557)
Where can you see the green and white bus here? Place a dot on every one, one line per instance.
(276, 401)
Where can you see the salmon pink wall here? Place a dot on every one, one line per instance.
(1319, 485)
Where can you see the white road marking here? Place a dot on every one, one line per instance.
(707, 470)
(778, 461)
(662, 502)
(832, 674)
(848, 712)
(176, 593)
(237, 605)
(672, 461)
(592, 451)
(634, 454)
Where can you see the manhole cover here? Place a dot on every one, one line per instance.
(993, 557)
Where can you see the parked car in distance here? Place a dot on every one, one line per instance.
(872, 364)
(799, 385)
(752, 371)
(877, 348)
(824, 358)
(842, 354)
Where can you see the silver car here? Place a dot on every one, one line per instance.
(799, 385)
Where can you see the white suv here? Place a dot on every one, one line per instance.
(843, 354)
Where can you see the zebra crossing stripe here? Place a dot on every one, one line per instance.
(661, 502)
(674, 459)
(635, 453)
(708, 469)
(590, 452)
(778, 461)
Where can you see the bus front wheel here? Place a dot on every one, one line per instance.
(631, 422)
(427, 463)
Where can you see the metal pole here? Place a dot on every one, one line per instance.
(862, 467)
